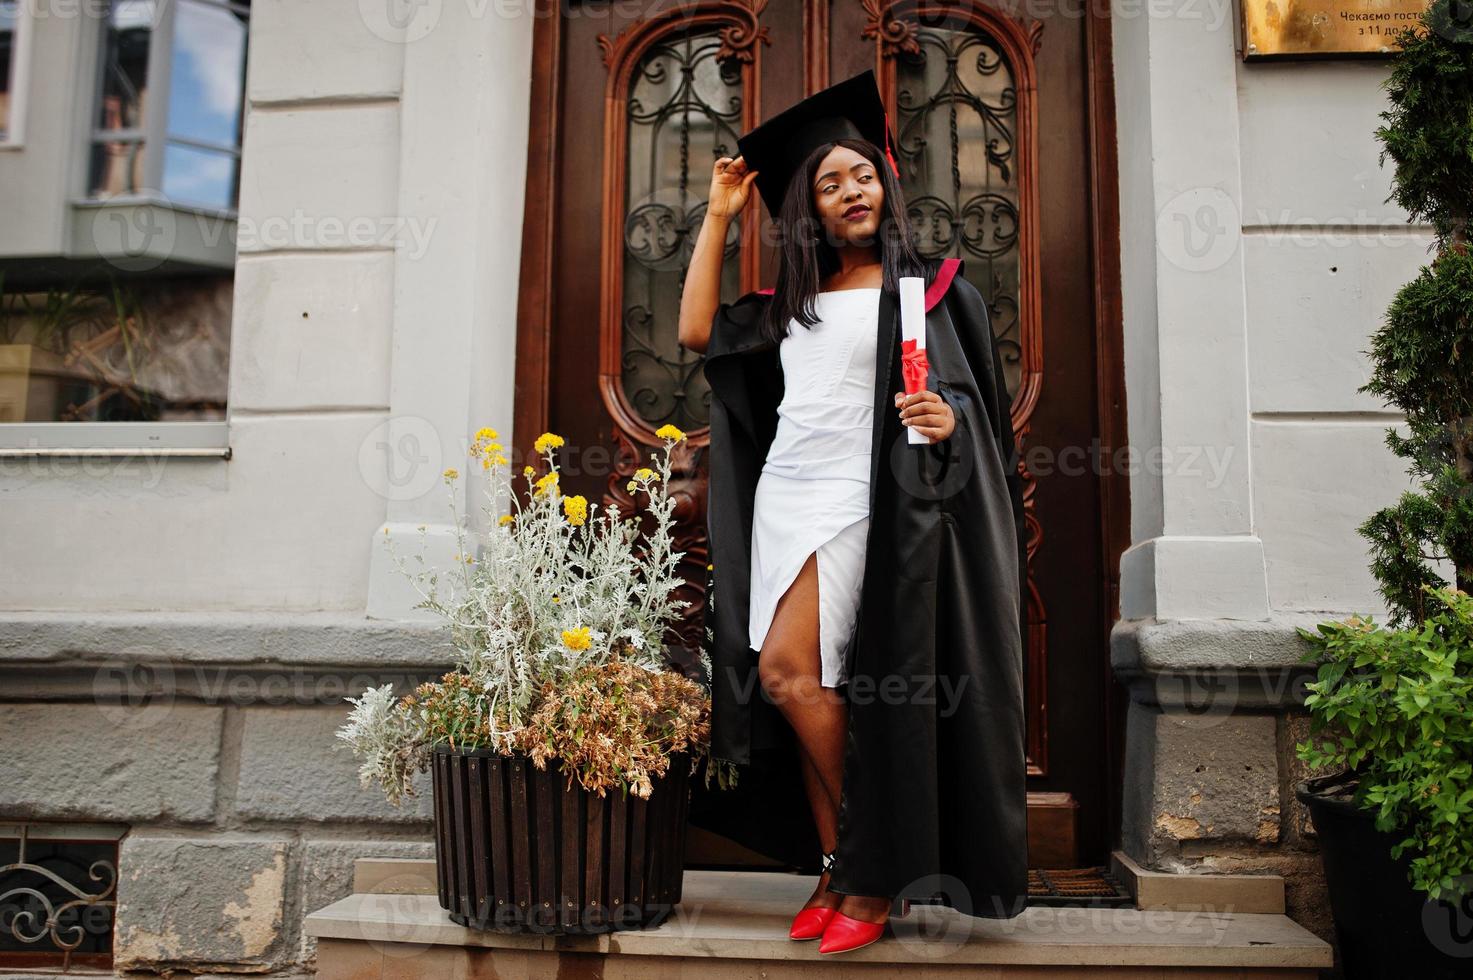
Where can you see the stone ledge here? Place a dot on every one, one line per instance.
(288, 639)
(1198, 644)
(1186, 663)
(236, 658)
(726, 915)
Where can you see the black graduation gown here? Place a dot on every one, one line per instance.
(934, 800)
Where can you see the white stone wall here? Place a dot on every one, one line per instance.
(373, 326)
(1258, 257)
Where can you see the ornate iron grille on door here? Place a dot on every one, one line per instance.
(678, 97)
(956, 116)
(684, 111)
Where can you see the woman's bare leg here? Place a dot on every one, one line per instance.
(825, 819)
(790, 670)
(790, 667)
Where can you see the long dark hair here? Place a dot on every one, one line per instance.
(806, 257)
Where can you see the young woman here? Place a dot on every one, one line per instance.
(876, 584)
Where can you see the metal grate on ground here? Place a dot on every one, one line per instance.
(1076, 886)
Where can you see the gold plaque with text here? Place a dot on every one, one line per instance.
(1328, 28)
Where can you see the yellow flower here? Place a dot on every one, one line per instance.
(484, 433)
(576, 507)
(668, 431)
(527, 471)
(577, 639)
(505, 519)
(546, 441)
(631, 486)
(451, 473)
(548, 482)
(483, 444)
(645, 473)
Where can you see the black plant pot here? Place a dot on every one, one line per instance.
(1383, 926)
(523, 849)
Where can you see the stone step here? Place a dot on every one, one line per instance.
(734, 924)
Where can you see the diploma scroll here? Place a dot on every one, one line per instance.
(913, 365)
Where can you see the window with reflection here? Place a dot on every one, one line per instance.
(957, 116)
(684, 112)
(185, 143)
(122, 350)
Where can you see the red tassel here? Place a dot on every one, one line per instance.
(888, 155)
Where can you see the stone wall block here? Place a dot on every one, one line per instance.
(1216, 779)
(99, 761)
(326, 875)
(201, 903)
(294, 767)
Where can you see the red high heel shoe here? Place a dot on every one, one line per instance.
(810, 923)
(845, 933)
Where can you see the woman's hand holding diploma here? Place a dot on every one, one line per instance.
(925, 412)
(927, 416)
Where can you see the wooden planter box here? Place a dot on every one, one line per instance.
(523, 849)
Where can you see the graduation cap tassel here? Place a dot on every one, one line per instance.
(888, 155)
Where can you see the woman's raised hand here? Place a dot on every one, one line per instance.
(731, 184)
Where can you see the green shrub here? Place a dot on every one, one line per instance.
(1392, 707)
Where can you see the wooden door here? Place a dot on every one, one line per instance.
(1006, 155)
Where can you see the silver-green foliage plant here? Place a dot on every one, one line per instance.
(557, 598)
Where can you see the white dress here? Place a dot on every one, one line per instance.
(813, 493)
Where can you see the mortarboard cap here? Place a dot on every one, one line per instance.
(852, 109)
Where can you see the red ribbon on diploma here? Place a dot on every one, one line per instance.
(913, 366)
